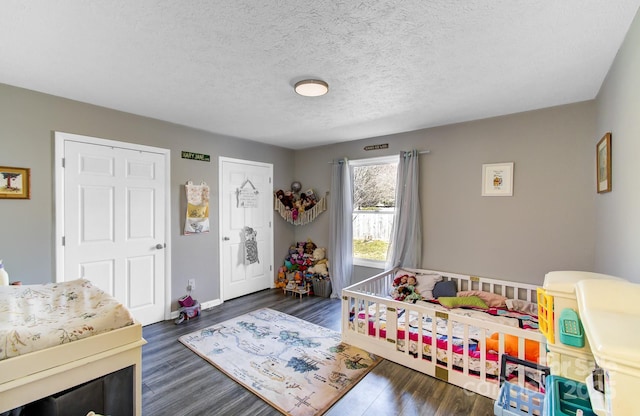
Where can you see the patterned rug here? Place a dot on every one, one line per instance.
(297, 367)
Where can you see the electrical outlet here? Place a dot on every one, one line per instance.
(191, 284)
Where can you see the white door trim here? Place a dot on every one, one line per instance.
(60, 139)
(222, 159)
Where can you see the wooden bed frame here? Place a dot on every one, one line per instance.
(375, 290)
(30, 377)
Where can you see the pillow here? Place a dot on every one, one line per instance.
(491, 299)
(401, 273)
(461, 302)
(445, 289)
(522, 306)
(426, 283)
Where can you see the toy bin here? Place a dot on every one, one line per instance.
(558, 309)
(560, 321)
(322, 287)
(566, 397)
(514, 400)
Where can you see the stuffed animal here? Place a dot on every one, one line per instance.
(309, 247)
(531, 348)
(310, 196)
(321, 269)
(286, 198)
(405, 289)
(319, 254)
(307, 201)
(400, 280)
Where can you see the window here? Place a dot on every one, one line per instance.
(374, 206)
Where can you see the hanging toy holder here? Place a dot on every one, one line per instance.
(197, 215)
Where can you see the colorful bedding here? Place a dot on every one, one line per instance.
(492, 359)
(35, 317)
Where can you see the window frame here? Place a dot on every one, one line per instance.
(379, 160)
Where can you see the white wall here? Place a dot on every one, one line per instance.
(618, 212)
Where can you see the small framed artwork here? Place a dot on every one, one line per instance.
(603, 164)
(14, 183)
(497, 179)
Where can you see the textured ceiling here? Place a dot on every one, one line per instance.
(228, 67)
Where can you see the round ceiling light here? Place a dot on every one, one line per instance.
(311, 87)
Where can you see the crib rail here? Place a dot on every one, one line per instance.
(362, 325)
(381, 284)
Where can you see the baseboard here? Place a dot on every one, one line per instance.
(203, 306)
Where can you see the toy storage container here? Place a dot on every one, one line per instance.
(514, 400)
(569, 350)
(566, 397)
(611, 311)
(517, 397)
(322, 287)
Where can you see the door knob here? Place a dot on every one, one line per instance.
(160, 246)
(225, 238)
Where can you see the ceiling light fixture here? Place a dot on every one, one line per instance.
(311, 87)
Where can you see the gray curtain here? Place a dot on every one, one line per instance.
(341, 227)
(405, 248)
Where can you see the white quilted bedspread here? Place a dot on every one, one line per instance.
(35, 317)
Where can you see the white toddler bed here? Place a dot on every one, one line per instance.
(402, 331)
(59, 335)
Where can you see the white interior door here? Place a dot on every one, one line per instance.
(113, 222)
(246, 200)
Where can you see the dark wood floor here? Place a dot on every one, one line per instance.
(177, 382)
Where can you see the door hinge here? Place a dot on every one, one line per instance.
(269, 179)
(271, 268)
(63, 240)
(63, 162)
(269, 224)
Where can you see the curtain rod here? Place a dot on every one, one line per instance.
(420, 152)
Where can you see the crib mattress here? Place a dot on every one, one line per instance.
(36, 317)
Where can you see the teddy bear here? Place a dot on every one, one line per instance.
(321, 269)
(286, 198)
(319, 254)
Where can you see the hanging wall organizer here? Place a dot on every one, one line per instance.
(197, 220)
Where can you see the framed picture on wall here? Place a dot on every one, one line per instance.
(497, 179)
(603, 164)
(14, 183)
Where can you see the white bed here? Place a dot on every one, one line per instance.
(372, 320)
(57, 336)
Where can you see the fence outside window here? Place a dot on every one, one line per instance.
(373, 228)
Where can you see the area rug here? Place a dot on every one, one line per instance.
(297, 367)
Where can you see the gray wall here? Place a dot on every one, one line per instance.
(546, 225)
(617, 213)
(27, 122)
(555, 220)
